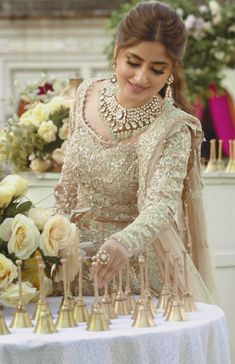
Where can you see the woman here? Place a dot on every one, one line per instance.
(133, 154)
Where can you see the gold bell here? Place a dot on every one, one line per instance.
(3, 326)
(97, 320)
(80, 311)
(45, 324)
(65, 317)
(120, 305)
(21, 318)
(130, 300)
(143, 319)
(188, 302)
(163, 299)
(176, 311)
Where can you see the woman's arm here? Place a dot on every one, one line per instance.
(158, 209)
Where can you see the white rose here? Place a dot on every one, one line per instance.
(10, 295)
(8, 271)
(47, 131)
(203, 9)
(58, 155)
(57, 103)
(5, 229)
(39, 215)
(27, 118)
(21, 185)
(64, 131)
(58, 233)
(24, 238)
(190, 21)
(39, 165)
(214, 8)
(6, 195)
(40, 113)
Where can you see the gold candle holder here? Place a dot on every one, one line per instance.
(114, 290)
(231, 157)
(3, 326)
(220, 163)
(142, 316)
(41, 301)
(166, 291)
(212, 166)
(65, 317)
(120, 302)
(187, 297)
(107, 305)
(128, 294)
(21, 317)
(97, 320)
(176, 310)
(80, 310)
(45, 324)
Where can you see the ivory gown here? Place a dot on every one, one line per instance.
(144, 194)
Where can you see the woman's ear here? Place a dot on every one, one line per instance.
(115, 52)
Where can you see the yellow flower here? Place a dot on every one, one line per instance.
(56, 103)
(59, 233)
(39, 215)
(8, 271)
(24, 238)
(10, 295)
(40, 113)
(47, 131)
(6, 195)
(64, 131)
(20, 184)
(39, 165)
(27, 118)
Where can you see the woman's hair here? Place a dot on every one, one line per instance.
(155, 21)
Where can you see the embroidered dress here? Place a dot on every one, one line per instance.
(142, 194)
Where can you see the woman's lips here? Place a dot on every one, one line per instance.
(136, 88)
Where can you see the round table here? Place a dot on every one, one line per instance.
(203, 339)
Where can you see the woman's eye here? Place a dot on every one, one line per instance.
(133, 64)
(158, 72)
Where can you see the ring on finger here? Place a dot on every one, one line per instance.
(102, 257)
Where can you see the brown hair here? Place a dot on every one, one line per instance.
(155, 21)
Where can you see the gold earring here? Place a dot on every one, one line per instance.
(113, 77)
(168, 94)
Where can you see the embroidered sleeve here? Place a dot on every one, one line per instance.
(162, 195)
(66, 190)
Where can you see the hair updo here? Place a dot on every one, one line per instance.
(155, 21)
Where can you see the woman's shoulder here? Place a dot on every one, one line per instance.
(179, 117)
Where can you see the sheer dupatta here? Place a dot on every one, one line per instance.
(189, 232)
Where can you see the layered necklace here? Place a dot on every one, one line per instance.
(124, 123)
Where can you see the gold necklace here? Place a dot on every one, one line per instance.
(124, 123)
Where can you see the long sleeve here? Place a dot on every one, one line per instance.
(164, 189)
(66, 190)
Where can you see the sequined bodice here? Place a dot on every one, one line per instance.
(106, 174)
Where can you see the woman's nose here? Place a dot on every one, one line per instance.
(141, 77)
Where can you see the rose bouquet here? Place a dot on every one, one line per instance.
(35, 137)
(26, 232)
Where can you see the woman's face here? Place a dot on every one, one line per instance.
(142, 70)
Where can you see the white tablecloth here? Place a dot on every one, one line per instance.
(203, 339)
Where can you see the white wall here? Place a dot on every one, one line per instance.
(55, 47)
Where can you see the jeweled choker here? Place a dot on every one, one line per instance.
(124, 123)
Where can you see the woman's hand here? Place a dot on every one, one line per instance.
(118, 258)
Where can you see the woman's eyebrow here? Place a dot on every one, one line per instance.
(141, 59)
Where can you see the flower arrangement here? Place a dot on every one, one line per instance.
(36, 138)
(210, 48)
(25, 233)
